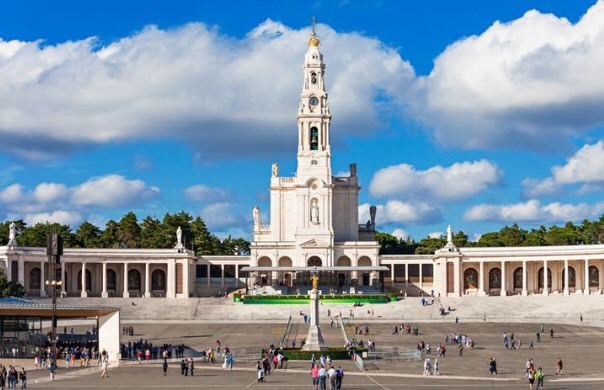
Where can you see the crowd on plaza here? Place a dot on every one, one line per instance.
(323, 373)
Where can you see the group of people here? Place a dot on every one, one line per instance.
(10, 377)
(431, 368)
(406, 329)
(324, 373)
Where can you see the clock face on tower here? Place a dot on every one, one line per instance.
(313, 101)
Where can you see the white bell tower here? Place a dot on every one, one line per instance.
(314, 118)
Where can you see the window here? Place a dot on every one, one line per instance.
(314, 138)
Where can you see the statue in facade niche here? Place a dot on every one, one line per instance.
(314, 212)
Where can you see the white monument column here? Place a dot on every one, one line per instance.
(63, 281)
(126, 291)
(171, 280)
(314, 339)
(147, 281)
(524, 286)
(503, 289)
(84, 293)
(104, 293)
(481, 279)
(42, 280)
(586, 283)
(545, 279)
(565, 287)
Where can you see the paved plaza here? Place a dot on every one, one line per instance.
(580, 345)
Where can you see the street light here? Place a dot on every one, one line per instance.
(54, 251)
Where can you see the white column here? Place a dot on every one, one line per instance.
(391, 273)
(147, 281)
(503, 280)
(421, 276)
(21, 272)
(84, 294)
(126, 292)
(222, 276)
(104, 293)
(9, 270)
(545, 278)
(42, 280)
(565, 290)
(524, 273)
(406, 274)
(481, 279)
(63, 281)
(171, 280)
(586, 282)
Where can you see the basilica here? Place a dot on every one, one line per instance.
(313, 229)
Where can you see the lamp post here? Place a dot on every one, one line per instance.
(54, 251)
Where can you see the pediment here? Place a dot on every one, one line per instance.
(314, 244)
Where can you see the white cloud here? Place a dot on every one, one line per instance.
(188, 83)
(400, 234)
(50, 192)
(532, 83)
(113, 191)
(12, 194)
(202, 193)
(456, 183)
(585, 167)
(396, 211)
(534, 211)
(62, 217)
(436, 234)
(220, 216)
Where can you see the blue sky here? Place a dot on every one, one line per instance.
(476, 114)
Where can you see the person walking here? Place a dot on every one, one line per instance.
(104, 368)
(52, 369)
(539, 376)
(531, 377)
(436, 367)
(23, 378)
(493, 367)
(165, 366)
(339, 377)
(559, 367)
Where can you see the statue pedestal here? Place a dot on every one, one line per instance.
(314, 338)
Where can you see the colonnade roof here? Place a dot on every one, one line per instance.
(29, 308)
(315, 269)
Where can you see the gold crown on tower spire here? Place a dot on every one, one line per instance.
(314, 41)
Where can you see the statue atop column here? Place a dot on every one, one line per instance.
(179, 244)
(315, 282)
(275, 170)
(12, 235)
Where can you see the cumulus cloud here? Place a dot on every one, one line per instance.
(113, 191)
(202, 193)
(55, 202)
(531, 83)
(186, 83)
(456, 183)
(534, 211)
(400, 234)
(62, 217)
(395, 211)
(586, 167)
(220, 216)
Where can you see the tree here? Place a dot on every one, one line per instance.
(109, 238)
(204, 242)
(36, 236)
(390, 244)
(512, 236)
(490, 240)
(460, 239)
(129, 233)
(568, 235)
(151, 233)
(10, 289)
(536, 237)
(88, 236)
(429, 245)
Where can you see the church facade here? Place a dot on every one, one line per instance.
(313, 228)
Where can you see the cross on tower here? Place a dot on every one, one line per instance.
(314, 22)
